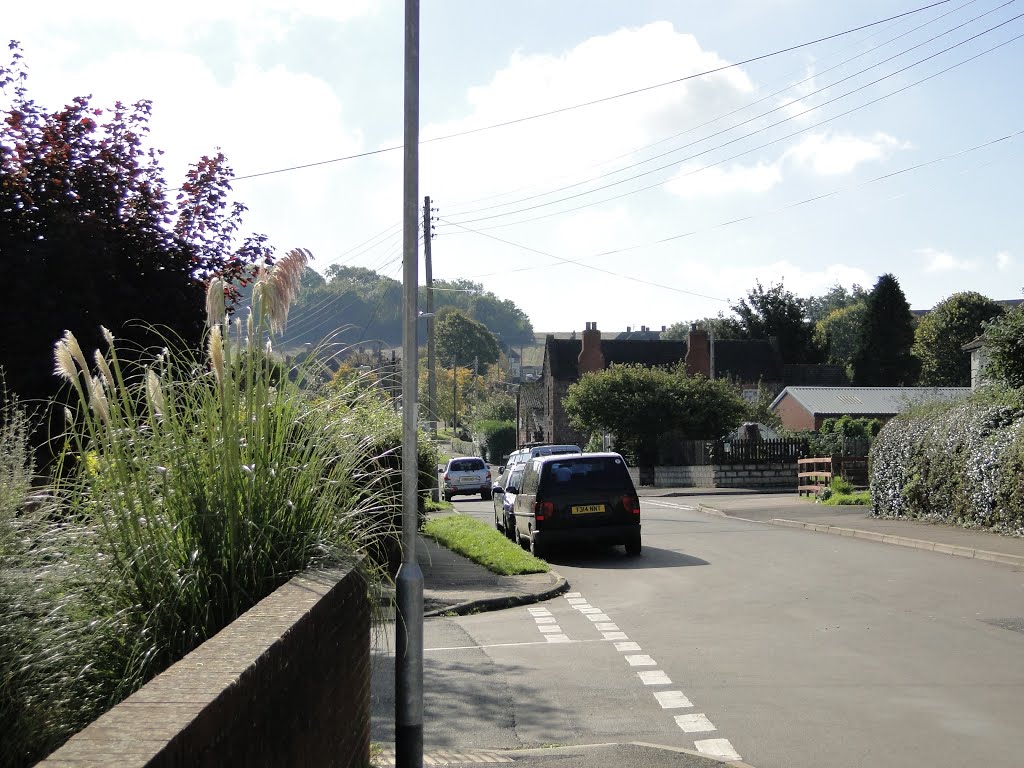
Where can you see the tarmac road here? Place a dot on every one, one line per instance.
(797, 649)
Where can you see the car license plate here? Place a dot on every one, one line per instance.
(588, 509)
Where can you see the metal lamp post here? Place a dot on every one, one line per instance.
(409, 582)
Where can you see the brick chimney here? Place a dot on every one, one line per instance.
(591, 359)
(698, 352)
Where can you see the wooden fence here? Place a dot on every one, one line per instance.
(816, 473)
(781, 451)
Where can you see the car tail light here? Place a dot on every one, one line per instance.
(445, 477)
(488, 474)
(631, 504)
(543, 509)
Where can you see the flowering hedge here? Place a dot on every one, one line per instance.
(960, 462)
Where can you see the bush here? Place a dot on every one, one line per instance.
(959, 462)
(498, 439)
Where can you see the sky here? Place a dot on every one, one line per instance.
(894, 148)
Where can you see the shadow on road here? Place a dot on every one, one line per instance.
(614, 557)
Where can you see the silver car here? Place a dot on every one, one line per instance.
(466, 476)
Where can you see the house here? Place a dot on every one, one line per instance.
(803, 408)
(747, 363)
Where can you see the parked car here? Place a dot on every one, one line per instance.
(587, 497)
(523, 455)
(504, 493)
(466, 476)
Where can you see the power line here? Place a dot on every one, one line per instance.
(738, 220)
(713, 120)
(735, 125)
(580, 264)
(601, 100)
(752, 133)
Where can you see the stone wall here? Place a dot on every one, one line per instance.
(756, 476)
(723, 476)
(287, 683)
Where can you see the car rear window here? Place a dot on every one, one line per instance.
(590, 473)
(466, 465)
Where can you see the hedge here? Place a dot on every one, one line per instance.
(959, 462)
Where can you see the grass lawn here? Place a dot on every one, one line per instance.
(482, 544)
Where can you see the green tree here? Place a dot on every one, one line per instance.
(836, 297)
(838, 332)
(1004, 346)
(942, 332)
(639, 404)
(776, 312)
(882, 357)
(501, 316)
(722, 327)
(89, 238)
(460, 338)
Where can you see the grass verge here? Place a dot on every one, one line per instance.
(855, 499)
(483, 544)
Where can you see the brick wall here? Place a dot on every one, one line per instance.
(287, 683)
(561, 431)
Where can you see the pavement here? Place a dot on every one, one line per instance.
(454, 585)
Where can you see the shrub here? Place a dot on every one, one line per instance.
(497, 437)
(959, 462)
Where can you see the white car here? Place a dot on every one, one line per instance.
(466, 476)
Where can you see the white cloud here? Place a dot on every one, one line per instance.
(691, 182)
(833, 154)
(943, 261)
(1004, 261)
(180, 19)
(531, 153)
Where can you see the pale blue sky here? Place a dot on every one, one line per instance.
(276, 84)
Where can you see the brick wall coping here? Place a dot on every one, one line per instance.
(181, 715)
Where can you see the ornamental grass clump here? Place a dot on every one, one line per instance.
(190, 487)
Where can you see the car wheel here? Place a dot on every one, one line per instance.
(510, 527)
(485, 495)
(448, 496)
(498, 524)
(633, 547)
(537, 549)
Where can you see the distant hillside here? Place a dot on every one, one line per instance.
(358, 306)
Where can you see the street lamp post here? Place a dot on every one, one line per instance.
(409, 581)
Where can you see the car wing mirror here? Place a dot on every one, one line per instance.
(501, 469)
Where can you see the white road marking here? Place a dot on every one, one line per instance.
(641, 660)
(695, 723)
(550, 628)
(588, 610)
(582, 606)
(667, 504)
(598, 617)
(672, 699)
(655, 677)
(717, 748)
(545, 619)
(614, 635)
(557, 638)
(606, 626)
(570, 595)
(627, 646)
(539, 611)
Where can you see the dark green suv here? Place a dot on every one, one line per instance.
(585, 497)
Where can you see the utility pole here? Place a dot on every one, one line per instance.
(431, 373)
(455, 392)
(409, 581)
